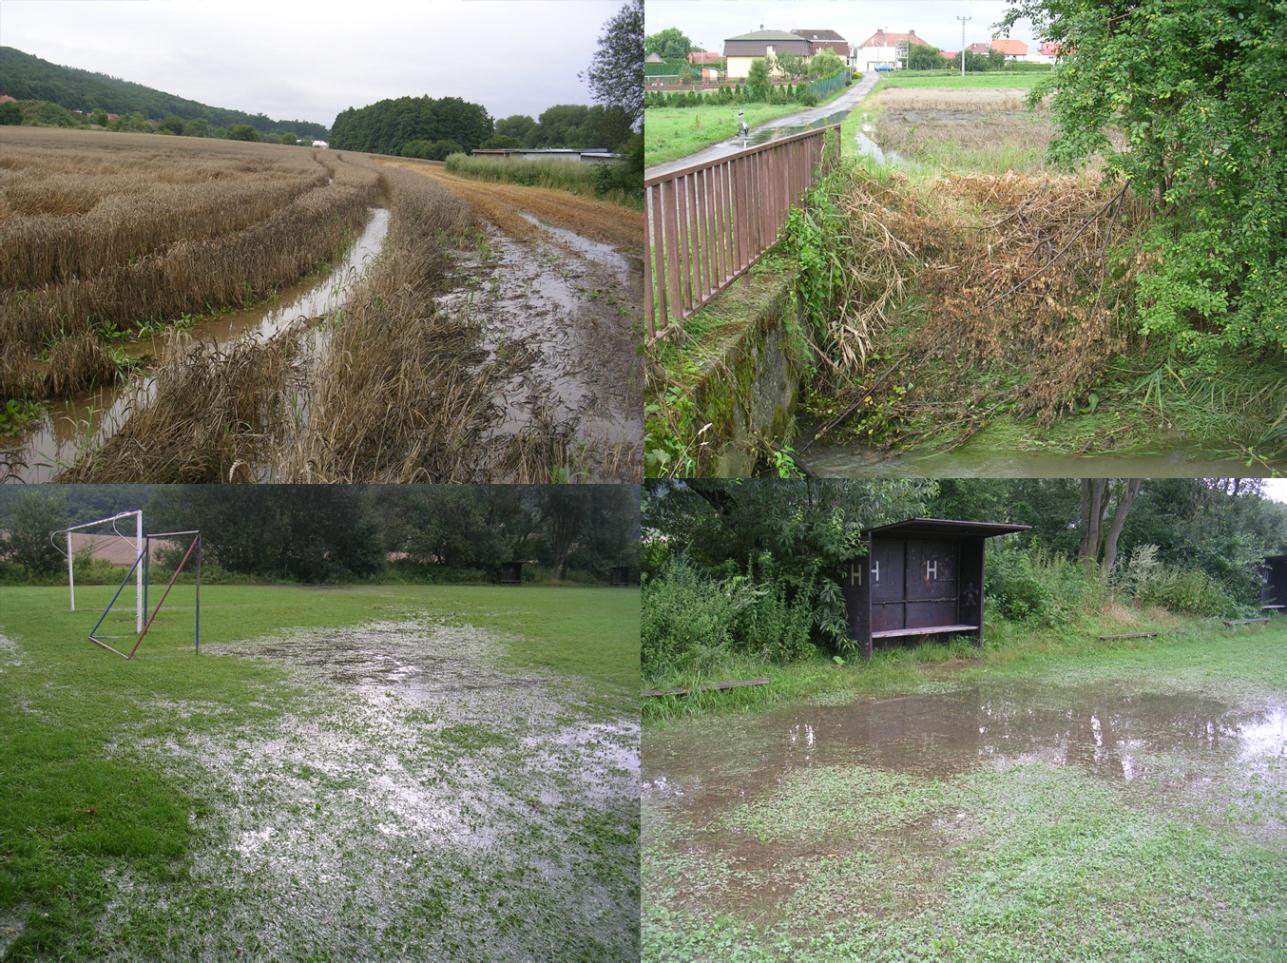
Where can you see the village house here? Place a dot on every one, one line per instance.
(699, 57)
(820, 40)
(885, 51)
(1011, 49)
(743, 50)
(1046, 53)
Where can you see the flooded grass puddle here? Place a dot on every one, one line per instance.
(906, 817)
(421, 800)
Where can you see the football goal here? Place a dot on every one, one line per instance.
(142, 554)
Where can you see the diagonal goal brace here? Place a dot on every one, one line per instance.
(143, 559)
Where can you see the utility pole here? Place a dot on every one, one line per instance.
(962, 19)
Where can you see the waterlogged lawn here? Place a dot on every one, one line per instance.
(1109, 801)
(344, 772)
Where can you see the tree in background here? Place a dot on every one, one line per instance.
(27, 540)
(615, 74)
(317, 533)
(1194, 88)
(925, 58)
(198, 127)
(171, 125)
(517, 126)
(668, 44)
(793, 65)
(824, 64)
(10, 114)
(757, 80)
(99, 117)
(242, 132)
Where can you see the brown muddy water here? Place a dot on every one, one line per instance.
(66, 428)
(418, 800)
(721, 794)
(568, 305)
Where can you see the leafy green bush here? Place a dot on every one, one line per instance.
(686, 621)
(771, 624)
(1035, 585)
(1188, 591)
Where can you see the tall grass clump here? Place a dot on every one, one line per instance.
(1188, 591)
(1039, 586)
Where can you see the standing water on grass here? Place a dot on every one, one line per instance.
(67, 427)
(758, 811)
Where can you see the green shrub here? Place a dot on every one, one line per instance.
(686, 620)
(1187, 591)
(1035, 585)
(772, 625)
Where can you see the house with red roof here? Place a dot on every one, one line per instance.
(884, 50)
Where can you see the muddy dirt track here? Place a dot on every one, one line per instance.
(500, 203)
(556, 280)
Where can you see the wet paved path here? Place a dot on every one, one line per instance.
(777, 128)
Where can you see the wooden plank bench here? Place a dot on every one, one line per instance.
(706, 687)
(1129, 635)
(1244, 621)
(928, 630)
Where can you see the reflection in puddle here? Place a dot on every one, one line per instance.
(67, 427)
(1113, 733)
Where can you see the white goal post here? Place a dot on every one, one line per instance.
(138, 556)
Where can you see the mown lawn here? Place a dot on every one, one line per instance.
(80, 808)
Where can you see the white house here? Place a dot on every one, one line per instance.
(885, 49)
(319, 143)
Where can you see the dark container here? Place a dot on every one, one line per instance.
(619, 576)
(510, 573)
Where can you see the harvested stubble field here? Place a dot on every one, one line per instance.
(124, 236)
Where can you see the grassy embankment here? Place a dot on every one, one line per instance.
(1166, 852)
(1039, 384)
(80, 806)
(674, 132)
(576, 177)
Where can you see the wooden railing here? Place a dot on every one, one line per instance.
(705, 225)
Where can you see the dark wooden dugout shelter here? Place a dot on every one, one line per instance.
(1273, 593)
(921, 576)
(509, 573)
(619, 576)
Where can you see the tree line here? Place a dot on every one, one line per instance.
(433, 128)
(329, 533)
(25, 77)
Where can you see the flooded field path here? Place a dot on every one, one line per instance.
(558, 279)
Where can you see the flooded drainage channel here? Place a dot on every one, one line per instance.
(756, 799)
(67, 428)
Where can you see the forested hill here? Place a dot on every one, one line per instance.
(25, 77)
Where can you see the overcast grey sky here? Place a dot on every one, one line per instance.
(709, 22)
(309, 61)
